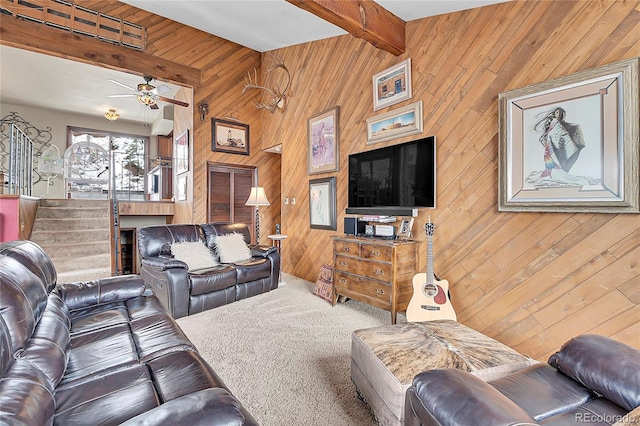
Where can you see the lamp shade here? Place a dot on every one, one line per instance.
(257, 197)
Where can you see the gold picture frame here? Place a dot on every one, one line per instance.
(571, 144)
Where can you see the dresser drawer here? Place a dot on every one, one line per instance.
(346, 247)
(357, 285)
(377, 270)
(376, 252)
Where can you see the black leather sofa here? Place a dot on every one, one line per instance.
(592, 379)
(186, 292)
(97, 353)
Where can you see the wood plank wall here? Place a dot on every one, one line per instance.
(531, 280)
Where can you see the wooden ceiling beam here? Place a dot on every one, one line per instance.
(363, 19)
(65, 44)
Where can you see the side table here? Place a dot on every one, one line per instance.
(276, 240)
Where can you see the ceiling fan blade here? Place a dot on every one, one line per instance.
(132, 95)
(173, 101)
(123, 85)
(161, 89)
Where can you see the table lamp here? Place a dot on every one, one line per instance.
(257, 198)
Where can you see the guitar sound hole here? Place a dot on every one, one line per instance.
(430, 290)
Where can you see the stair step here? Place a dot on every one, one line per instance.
(62, 202)
(67, 224)
(83, 275)
(84, 262)
(75, 236)
(72, 212)
(76, 249)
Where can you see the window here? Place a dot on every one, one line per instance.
(127, 155)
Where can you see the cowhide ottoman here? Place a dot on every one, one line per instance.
(384, 360)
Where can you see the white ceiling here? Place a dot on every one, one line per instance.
(38, 80)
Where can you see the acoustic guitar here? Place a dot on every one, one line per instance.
(430, 300)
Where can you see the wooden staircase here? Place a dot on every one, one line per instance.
(76, 235)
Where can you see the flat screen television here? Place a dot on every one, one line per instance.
(393, 178)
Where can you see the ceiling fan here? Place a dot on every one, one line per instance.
(148, 94)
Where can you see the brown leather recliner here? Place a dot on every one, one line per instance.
(97, 353)
(185, 292)
(591, 379)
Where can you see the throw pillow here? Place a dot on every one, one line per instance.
(232, 248)
(195, 254)
(324, 285)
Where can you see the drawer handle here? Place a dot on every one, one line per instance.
(379, 292)
(343, 280)
(376, 253)
(379, 272)
(346, 249)
(343, 263)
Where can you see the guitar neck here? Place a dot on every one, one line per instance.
(429, 260)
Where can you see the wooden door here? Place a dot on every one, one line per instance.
(229, 187)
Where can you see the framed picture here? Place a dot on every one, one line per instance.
(571, 144)
(181, 154)
(405, 228)
(392, 85)
(229, 136)
(182, 188)
(395, 124)
(322, 203)
(323, 136)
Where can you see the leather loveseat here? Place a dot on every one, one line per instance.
(184, 291)
(97, 353)
(591, 379)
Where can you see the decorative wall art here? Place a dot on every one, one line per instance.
(322, 203)
(229, 136)
(181, 153)
(571, 143)
(322, 138)
(395, 124)
(392, 85)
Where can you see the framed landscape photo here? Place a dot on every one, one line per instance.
(181, 154)
(229, 136)
(394, 124)
(322, 203)
(323, 136)
(571, 143)
(392, 85)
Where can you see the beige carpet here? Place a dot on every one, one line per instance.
(286, 354)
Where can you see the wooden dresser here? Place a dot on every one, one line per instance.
(375, 271)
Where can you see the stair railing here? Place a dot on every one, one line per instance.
(20, 170)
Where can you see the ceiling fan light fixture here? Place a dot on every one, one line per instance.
(111, 115)
(146, 99)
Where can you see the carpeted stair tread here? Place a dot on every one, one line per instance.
(72, 236)
(77, 249)
(67, 264)
(72, 212)
(66, 224)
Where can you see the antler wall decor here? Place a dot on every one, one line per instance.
(277, 95)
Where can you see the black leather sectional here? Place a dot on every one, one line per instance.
(97, 353)
(186, 292)
(592, 379)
